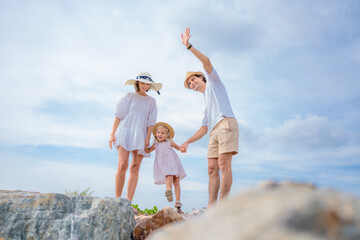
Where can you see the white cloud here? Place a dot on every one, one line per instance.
(311, 132)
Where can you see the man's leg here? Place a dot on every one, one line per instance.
(226, 174)
(214, 180)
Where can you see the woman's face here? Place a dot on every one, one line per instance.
(143, 87)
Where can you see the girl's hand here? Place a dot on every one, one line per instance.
(111, 141)
(185, 38)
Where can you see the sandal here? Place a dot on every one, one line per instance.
(169, 196)
(178, 204)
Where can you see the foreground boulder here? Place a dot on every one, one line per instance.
(31, 215)
(274, 211)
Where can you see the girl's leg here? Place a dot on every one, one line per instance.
(121, 171)
(134, 174)
(176, 182)
(169, 182)
(168, 191)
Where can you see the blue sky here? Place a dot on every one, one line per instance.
(291, 70)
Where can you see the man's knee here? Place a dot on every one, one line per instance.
(225, 162)
(213, 171)
(224, 167)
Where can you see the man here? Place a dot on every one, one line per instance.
(219, 119)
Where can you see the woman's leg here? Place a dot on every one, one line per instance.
(176, 182)
(134, 174)
(121, 171)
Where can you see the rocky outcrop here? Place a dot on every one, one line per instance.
(274, 211)
(32, 215)
(148, 224)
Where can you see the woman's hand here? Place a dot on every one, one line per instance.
(147, 142)
(185, 38)
(112, 140)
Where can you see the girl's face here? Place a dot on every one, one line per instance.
(161, 134)
(143, 87)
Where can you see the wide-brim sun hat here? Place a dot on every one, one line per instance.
(172, 133)
(145, 78)
(190, 74)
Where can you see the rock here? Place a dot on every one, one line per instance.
(194, 213)
(32, 215)
(148, 224)
(276, 211)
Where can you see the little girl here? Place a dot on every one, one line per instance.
(167, 166)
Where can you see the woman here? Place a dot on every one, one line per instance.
(135, 116)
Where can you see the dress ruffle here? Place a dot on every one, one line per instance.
(131, 139)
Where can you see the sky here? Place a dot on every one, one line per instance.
(291, 69)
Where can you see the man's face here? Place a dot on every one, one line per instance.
(195, 83)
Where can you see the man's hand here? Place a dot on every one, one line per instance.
(185, 38)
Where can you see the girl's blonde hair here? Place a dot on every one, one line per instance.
(168, 133)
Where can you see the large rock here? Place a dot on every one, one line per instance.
(274, 211)
(148, 224)
(31, 215)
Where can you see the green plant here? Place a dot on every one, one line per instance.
(146, 211)
(77, 192)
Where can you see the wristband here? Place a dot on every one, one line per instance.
(190, 46)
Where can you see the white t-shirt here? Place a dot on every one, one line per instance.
(217, 104)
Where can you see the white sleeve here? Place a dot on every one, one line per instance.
(122, 107)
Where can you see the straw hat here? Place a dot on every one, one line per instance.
(190, 74)
(145, 78)
(172, 133)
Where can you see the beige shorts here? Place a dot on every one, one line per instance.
(224, 138)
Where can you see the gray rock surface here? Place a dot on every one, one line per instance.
(274, 211)
(32, 215)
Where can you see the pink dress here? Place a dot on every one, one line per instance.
(166, 163)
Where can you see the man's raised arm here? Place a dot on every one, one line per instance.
(204, 59)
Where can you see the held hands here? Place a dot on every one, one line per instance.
(183, 147)
(185, 38)
(147, 142)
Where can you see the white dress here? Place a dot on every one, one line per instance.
(166, 163)
(136, 113)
